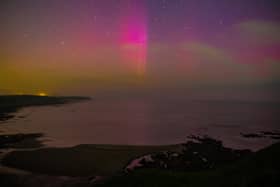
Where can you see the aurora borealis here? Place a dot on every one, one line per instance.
(67, 45)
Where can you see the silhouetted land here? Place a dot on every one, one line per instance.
(20, 141)
(81, 160)
(263, 134)
(199, 164)
(258, 169)
(12, 103)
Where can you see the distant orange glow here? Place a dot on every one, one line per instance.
(42, 94)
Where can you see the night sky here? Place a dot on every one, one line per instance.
(55, 46)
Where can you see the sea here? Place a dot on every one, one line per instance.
(153, 119)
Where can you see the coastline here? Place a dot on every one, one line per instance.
(10, 104)
(105, 165)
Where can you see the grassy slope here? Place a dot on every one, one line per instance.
(82, 160)
(261, 169)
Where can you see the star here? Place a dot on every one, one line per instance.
(163, 4)
(156, 19)
(187, 27)
(94, 18)
(25, 35)
(108, 33)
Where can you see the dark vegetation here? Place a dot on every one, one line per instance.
(202, 162)
(200, 154)
(260, 169)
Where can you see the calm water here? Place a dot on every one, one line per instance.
(148, 120)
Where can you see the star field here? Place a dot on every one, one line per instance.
(56, 45)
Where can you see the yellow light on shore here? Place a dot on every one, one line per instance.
(42, 94)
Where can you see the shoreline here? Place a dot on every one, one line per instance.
(10, 104)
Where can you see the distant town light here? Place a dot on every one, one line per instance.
(42, 94)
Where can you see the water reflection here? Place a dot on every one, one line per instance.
(144, 120)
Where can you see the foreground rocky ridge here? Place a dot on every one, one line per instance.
(201, 159)
(199, 153)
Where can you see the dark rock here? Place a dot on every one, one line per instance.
(252, 135)
(20, 141)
